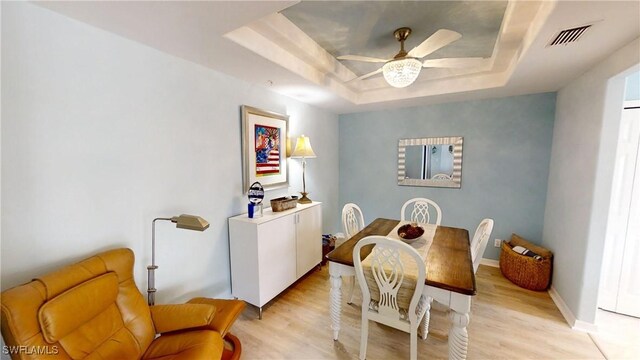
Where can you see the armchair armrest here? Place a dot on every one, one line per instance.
(167, 318)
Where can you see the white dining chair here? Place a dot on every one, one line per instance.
(421, 211)
(388, 270)
(479, 242)
(352, 219)
(441, 177)
(352, 223)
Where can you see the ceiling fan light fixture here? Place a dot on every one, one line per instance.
(401, 72)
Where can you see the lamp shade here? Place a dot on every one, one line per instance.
(190, 222)
(402, 72)
(303, 148)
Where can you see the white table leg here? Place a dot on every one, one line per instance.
(424, 325)
(336, 303)
(336, 272)
(458, 336)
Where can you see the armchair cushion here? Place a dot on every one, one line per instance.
(227, 311)
(199, 344)
(167, 318)
(60, 316)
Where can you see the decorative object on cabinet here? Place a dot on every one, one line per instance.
(270, 253)
(284, 203)
(264, 143)
(189, 222)
(256, 194)
(435, 162)
(303, 150)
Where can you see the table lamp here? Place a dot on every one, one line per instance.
(189, 222)
(303, 150)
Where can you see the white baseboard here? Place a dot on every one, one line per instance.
(574, 323)
(585, 326)
(490, 262)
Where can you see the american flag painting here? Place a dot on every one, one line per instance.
(267, 150)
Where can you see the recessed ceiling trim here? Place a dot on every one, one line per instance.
(438, 87)
(276, 38)
(542, 13)
(280, 30)
(251, 39)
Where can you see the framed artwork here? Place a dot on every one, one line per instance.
(264, 148)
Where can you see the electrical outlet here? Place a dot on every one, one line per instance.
(497, 242)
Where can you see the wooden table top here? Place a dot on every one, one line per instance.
(448, 262)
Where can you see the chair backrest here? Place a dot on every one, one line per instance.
(389, 261)
(479, 242)
(421, 211)
(91, 308)
(352, 219)
(441, 177)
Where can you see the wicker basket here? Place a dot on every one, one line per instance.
(526, 271)
(283, 203)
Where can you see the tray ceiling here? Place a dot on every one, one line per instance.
(306, 38)
(366, 28)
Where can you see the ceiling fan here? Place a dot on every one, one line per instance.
(403, 69)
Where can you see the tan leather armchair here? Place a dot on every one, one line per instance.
(93, 310)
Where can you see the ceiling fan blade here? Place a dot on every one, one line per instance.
(438, 40)
(361, 58)
(368, 75)
(454, 62)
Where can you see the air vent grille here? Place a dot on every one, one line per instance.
(569, 35)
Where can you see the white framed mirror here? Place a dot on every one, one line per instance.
(435, 162)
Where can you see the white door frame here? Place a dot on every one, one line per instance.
(627, 154)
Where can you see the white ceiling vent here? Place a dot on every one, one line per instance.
(569, 35)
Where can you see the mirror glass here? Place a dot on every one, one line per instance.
(430, 162)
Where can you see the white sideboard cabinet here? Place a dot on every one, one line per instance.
(271, 252)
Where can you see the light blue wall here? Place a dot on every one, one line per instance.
(632, 88)
(507, 146)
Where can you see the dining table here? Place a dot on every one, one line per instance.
(450, 279)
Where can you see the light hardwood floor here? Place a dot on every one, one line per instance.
(618, 336)
(507, 322)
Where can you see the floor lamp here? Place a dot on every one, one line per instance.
(189, 222)
(303, 150)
